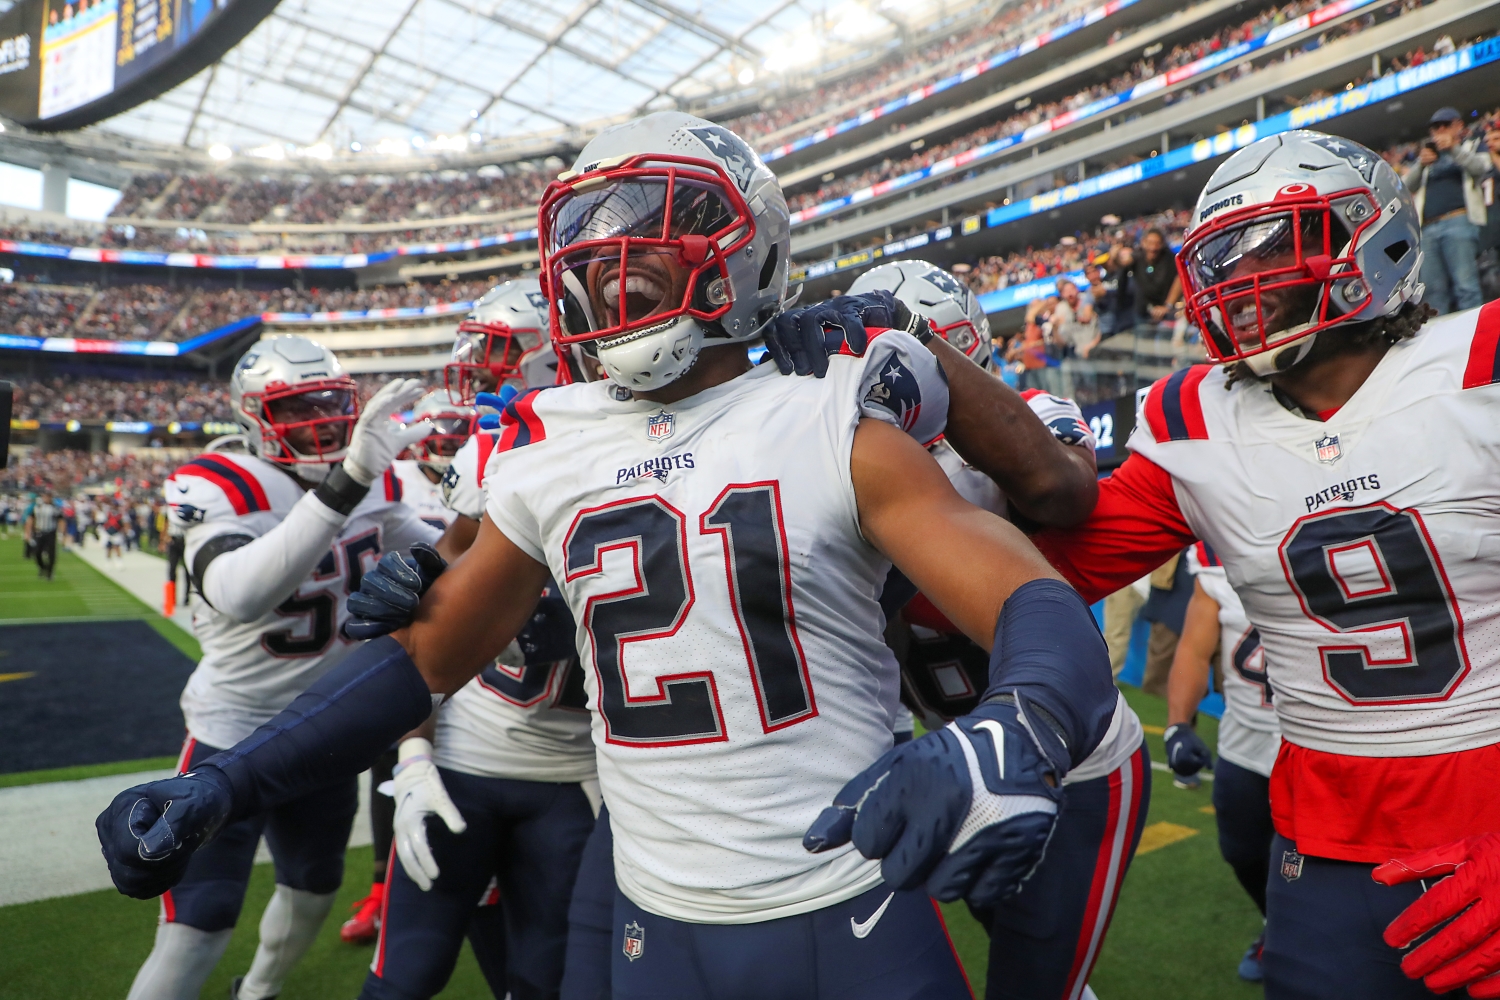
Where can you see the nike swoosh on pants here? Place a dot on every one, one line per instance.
(862, 930)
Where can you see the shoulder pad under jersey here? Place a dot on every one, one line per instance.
(903, 384)
(1173, 409)
(1062, 417)
(217, 486)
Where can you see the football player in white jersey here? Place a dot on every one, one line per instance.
(1249, 737)
(1044, 943)
(276, 540)
(506, 766)
(1341, 464)
(721, 535)
(417, 481)
(413, 481)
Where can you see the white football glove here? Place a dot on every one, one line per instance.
(377, 439)
(419, 794)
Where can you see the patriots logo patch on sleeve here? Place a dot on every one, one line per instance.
(897, 390)
(1069, 430)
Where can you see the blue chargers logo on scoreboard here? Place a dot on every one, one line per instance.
(635, 940)
(660, 426)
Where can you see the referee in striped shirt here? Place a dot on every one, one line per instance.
(44, 534)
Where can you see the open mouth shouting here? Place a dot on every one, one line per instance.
(649, 284)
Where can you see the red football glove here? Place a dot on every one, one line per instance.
(1467, 951)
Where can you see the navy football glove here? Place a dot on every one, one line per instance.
(802, 340)
(967, 809)
(388, 595)
(1187, 754)
(149, 832)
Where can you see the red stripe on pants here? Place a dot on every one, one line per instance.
(1109, 869)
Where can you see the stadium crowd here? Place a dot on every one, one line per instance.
(1142, 69)
(916, 68)
(323, 199)
(151, 312)
(211, 198)
(92, 398)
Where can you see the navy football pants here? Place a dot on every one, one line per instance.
(904, 955)
(306, 837)
(591, 917)
(1044, 942)
(1242, 806)
(528, 835)
(1324, 919)
(812, 956)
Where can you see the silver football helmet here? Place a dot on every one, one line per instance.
(949, 306)
(667, 235)
(503, 339)
(1295, 234)
(295, 403)
(452, 425)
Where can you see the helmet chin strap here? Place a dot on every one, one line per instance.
(632, 359)
(1283, 357)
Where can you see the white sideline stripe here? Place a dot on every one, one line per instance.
(1157, 765)
(137, 573)
(48, 846)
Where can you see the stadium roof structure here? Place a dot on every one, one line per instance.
(319, 78)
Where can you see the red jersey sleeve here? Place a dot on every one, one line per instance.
(1136, 526)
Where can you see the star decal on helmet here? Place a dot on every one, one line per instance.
(738, 158)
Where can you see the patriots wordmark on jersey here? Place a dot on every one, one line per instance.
(727, 615)
(252, 670)
(1363, 550)
(525, 716)
(1248, 733)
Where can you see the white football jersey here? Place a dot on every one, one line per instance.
(1248, 733)
(727, 615)
(520, 720)
(462, 487)
(1364, 548)
(1062, 417)
(405, 481)
(249, 672)
(949, 667)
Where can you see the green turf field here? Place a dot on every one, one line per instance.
(1182, 922)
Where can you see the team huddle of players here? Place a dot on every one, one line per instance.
(646, 624)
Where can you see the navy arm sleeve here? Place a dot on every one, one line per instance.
(1048, 649)
(334, 729)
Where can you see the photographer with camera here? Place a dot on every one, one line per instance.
(1444, 184)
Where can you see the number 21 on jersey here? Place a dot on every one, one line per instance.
(685, 706)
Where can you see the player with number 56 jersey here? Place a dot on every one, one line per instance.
(276, 540)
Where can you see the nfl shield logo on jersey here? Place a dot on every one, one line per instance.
(1291, 870)
(660, 426)
(635, 940)
(1328, 449)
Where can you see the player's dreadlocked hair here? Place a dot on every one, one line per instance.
(1403, 325)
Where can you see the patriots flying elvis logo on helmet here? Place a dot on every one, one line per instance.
(738, 158)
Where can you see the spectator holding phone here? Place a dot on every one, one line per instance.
(1444, 183)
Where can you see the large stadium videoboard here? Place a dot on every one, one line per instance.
(68, 63)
